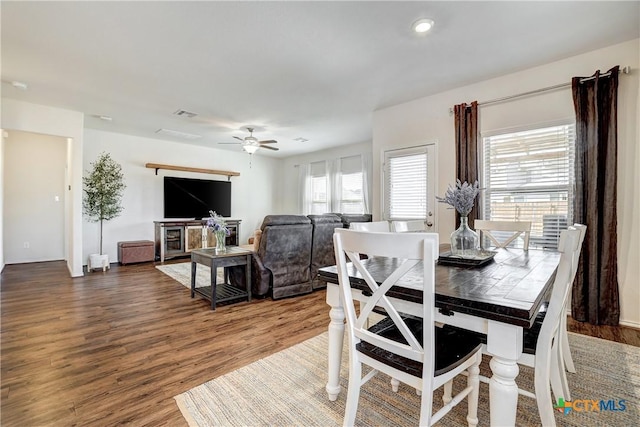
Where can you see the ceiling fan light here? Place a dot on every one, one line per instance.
(251, 148)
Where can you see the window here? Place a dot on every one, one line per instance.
(351, 185)
(339, 185)
(319, 188)
(529, 176)
(409, 183)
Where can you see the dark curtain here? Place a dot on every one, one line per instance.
(595, 290)
(466, 123)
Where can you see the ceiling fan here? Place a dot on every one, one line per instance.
(250, 143)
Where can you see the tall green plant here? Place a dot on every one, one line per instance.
(103, 188)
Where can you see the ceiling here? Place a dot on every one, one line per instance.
(312, 70)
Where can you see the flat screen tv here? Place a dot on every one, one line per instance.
(194, 198)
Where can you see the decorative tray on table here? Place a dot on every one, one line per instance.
(481, 257)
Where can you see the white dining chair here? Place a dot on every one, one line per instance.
(410, 349)
(375, 226)
(565, 351)
(407, 226)
(542, 342)
(496, 231)
(546, 357)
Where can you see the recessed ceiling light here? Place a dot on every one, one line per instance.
(422, 26)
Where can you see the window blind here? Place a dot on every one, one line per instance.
(351, 185)
(319, 190)
(529, 176)
(405, 184)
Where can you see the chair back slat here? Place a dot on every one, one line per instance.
(411, 250)
(569, 246)
(379, 226)
(517, 228)
(406, 226)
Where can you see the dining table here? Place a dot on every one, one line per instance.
(500, 298)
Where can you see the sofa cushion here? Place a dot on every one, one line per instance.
(322, 253)
(347, 219)
(324, 218)
(256, 239)
(284, 220)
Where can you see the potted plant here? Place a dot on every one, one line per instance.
(464, 241)
(103, 188)
(219, 227)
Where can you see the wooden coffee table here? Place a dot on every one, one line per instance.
(221, 292)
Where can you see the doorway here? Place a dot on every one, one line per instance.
(34, 192)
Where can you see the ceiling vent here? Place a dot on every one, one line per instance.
(177, 134)
(185, 113)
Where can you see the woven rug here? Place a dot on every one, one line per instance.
(287, 389)
(182, 273)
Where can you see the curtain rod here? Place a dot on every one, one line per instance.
(625, 70)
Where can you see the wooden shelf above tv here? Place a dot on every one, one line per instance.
(157, 166)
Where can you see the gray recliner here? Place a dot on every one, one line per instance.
(281, 263)
(322, 253)
(347, 219)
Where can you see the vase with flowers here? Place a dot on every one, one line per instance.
(218, 227)
(464, 241)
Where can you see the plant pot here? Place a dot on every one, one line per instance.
(98, 261)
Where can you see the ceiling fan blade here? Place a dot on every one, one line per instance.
(234, 143)
(268, 141)
(237, 137)
(268, 147)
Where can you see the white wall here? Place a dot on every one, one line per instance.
(34, 191)
(254, 194)
(290, 170)
(2, 137)
(428, 119)
(24, 116)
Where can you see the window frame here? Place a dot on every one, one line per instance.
(558, 189)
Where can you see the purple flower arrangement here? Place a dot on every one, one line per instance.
(217, 223)
(461, 197)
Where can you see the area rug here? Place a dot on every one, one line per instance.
(287, 389)
(182, 273)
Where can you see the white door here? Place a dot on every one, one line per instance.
(409, 185)
(34, 191)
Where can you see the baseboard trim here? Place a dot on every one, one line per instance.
(634, 325)
(629, 324)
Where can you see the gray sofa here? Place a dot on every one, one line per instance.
(290, 251)
(322, 253)
(347, 219)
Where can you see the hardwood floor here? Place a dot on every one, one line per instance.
(114, 348)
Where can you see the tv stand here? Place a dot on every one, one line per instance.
(178, 237)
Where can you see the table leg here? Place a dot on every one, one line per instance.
(193, 278)
(214, 282)
(336, 337)
(248, 276)
(504, 342)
